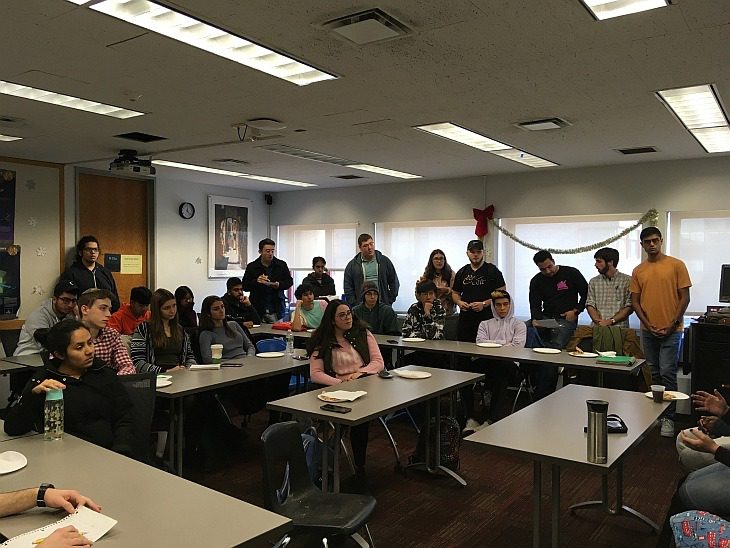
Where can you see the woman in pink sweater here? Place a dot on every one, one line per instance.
(342, 349)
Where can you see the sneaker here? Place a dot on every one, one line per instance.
(667, 430)
(471, 426)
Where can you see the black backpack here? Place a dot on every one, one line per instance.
(450, 441)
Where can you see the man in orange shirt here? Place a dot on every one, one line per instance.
(129, 316)
(660, 296)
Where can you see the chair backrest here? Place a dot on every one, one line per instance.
(271, 345)
(533, 339)
(283, 447)
(141, 389)
(9, 339)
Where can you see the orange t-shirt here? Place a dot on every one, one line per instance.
(658, 284)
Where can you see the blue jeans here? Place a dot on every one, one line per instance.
(662, 355)
(707, 489)
(546, 376)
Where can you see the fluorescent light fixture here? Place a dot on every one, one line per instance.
(8, 138)
(196, 33)
(700, 111)
(384, 171)
(79, 2)
(464, 136)
(193, 167)
(35, 94)
(447, 130)
(607, 9)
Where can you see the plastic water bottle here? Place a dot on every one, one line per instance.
(289, 343)
(53, 415)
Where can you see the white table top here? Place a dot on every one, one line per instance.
(153, 508)
(190, 382)
(383, 395)
(551, 429)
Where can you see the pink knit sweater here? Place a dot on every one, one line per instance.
(345, 362)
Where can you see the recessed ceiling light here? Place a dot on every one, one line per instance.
(35, 94)
(384, 171)
(215, 171)
(8, 138)
(464, 136)
(607, 9)
(700, 111)
(196, 33)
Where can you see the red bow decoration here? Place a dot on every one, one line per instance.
(482, 217)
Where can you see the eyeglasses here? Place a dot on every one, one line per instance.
(344, 315)
(66, 300)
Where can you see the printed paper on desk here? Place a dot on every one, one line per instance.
(202, 366)
(92, 525)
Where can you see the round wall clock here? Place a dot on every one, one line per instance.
(187, 210)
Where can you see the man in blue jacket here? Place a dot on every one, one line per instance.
(370, 266)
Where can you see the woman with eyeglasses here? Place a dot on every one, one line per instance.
(440, 273)
(342, 349)
(87, 273)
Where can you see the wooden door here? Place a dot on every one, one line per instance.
(115, 210)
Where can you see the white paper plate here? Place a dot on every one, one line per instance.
(162, 383)
(489, 345)
(10, 461)
(270, 355)
(583, 354)
(413, 339)
(609, 353)
(674, 395)
(408, 374)
(164, 377)
(256, 325)
(547, 350)
(346, 396)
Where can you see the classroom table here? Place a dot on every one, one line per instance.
(551, 431)
(188, 382)
(153, 508)
(9, 364)
(383, 396)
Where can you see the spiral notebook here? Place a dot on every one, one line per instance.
(92, 525)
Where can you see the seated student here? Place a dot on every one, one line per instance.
(442, 275)
(95, 309)
(379, 317)
(238, 307)
(59, 307)
(161, 344)
(96, 405)
(342, 349)
(308, 312)
(322, 283)
(47, 496)
(425, 319)
(502, 329)
(185, 302)
(125, 320)
(215, 329)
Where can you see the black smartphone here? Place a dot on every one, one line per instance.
(391, 341)
(335, 408)
(385, 374)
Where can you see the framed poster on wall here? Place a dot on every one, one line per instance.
(229, 222)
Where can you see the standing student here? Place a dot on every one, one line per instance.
(267, 278)
(609, 298)
(161, 344)
(341, 349)
(322, 283)
(87, 273)
(370, 265)
(660, 295)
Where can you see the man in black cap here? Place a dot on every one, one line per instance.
(472, 290)
(59, 307)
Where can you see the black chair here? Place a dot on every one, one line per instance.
(141, 389)
(311, 510)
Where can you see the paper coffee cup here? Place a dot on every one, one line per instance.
(216, 351)
(657, 392)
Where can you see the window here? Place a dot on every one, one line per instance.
(515, 261)
(299, 244)
(409, 244)
(702, 240)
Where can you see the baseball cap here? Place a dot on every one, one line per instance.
(475, 244)
(66, 286)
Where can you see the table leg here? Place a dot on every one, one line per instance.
(179, 436)
(336, 459)
(536, 502)
(325, 461)
(555, 472)
(599, 380)
(171, 436)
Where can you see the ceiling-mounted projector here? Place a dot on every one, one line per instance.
(127, 162)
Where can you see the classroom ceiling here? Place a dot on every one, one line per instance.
(483, 64)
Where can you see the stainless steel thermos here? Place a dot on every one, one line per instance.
(597, 437)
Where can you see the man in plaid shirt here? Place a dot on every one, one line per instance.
(95, 307)
(609, 299)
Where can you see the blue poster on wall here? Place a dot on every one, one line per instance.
(7, 207)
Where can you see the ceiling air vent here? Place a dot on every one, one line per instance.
(543, 125)
(140, 137)
(636, 150)
(347, 177)
(367, 27)
(231, 161)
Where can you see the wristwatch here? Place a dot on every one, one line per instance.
(613, 321)
(39, 499)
